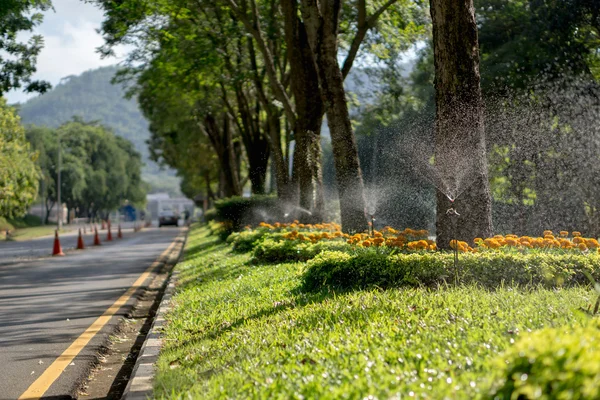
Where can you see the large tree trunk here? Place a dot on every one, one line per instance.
(460, 153)
(258, 160)
(321, 21)
(222, 141)
(307, 173)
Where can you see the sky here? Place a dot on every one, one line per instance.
(70, 42)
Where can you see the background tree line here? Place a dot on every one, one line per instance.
(99, 170)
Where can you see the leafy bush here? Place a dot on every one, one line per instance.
(210, 215)
(26, 221)
(561, 363)
(372, 267)
(221, 229)
(240, 211)
(245, 241)
(271, 250)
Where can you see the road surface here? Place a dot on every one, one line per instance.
(12, 251)
(46, 304)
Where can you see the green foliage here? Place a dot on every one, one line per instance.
(92, 97)
(553, 363)
(18, 170)
(210, 215)
(17, 17)
(99, 171)
(241, 330)
(240, 211)
(370, 267)
(25, 221)
(245, 241)
(275, 251)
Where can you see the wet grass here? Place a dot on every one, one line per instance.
(246, 331)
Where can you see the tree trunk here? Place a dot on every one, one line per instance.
(460, 154)
(258, 160)
(307, 174)
(221, 140)
(321, 21)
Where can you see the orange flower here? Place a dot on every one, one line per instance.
(547, 233)
(576, 234)
(582, 247)
(366, 243)
(564, 233)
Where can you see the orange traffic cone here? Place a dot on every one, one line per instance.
(96, 238)
(119, 233)
(103, 226)
(109, 235)
(57, 250)
(80, 245)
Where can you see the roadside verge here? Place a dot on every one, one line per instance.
(141, 380)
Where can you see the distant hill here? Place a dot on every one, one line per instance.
(92, 97)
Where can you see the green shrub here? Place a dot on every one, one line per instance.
(220, 229)
(210, 215)
(271, 250)
(245, 241)
(26, 221)
(371, 267)
(240, 211)
(558, 363)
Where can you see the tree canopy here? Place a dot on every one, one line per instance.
(17, 59)
(19, 172)
(99, 170)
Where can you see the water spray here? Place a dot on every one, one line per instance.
(454, 216)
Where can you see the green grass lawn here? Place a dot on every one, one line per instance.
(240, 330)
(25, 228)
(32, 232)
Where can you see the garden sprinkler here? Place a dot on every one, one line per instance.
(372, 224)
(454, 215)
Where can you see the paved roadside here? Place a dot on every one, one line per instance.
(18, 251)
(45, 305)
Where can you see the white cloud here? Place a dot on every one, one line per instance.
(70, 42)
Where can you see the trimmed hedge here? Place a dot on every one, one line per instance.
(272, 251)
(371, 268)
(210, 215)
(245, 241)
(559, 363)
(239, 211)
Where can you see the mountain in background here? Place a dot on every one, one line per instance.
(92, 97)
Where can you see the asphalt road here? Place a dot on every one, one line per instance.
(12, 251)
(46, 304)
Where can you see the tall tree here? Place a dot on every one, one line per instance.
(460, 152)
(18, 170)
(15, 70)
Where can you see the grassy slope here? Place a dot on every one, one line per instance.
(245, 331)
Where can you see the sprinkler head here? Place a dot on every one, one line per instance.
(452, 211)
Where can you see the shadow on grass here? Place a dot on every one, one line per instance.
(203, 248)
(298, 298)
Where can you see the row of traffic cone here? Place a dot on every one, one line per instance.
(57, 249)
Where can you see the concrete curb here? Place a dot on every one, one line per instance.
(141, 380)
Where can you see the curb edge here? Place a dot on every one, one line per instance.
(140, 385)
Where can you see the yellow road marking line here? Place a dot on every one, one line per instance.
(51, 374)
